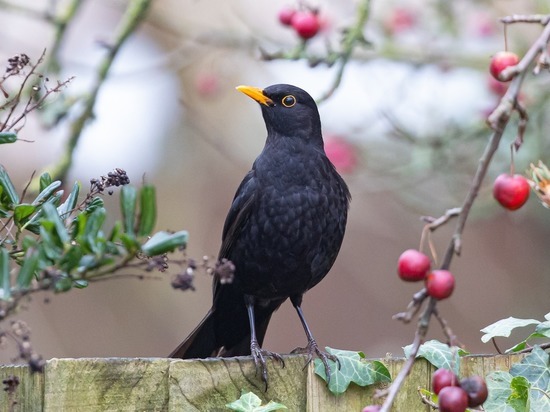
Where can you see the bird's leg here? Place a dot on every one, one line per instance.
(312, 346)
(256, 351)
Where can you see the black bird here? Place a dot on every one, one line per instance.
(283, 232)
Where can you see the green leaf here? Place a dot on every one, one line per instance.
(5, 274)
(250, 402)
(92, 232)
(28, 269)
(543, 329)
(519, 398)
(46, 193)
(80, 283)
(498, 385)
(535, 367)
(523, 344)
(438, 354)
(49, 244)
(128, 196)
(504, 327)
(94, 204)
(71, 259)
(22, 213)
(9, 196)
(50, 212)
(70, 203)
(45, 181)
(353, 368)
(163, 242)
(63, 284)
(148, 210)
(8, 137)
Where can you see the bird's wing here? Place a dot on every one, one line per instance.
(243, 203)
(238, 213)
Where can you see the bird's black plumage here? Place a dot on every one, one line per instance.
(283, 230)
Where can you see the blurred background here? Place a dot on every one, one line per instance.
(406, 127)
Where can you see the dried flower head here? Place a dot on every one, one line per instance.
(118, 177)
(225, 271)
(540, 182)
(17, 63)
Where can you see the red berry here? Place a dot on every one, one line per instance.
(401, 19)
(440, 284)
(306, 24)
(413, 265)
(286, 14)
(371, 408)
(511, 191)
(476, 389)
(452, 399)
(501, 61)
(341, 154)
(442, 378)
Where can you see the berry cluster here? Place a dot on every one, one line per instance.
(413, 266)
(455, 395)
(304, 22)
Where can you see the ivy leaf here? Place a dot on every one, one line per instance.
(519, 398)
(535, 367)
(543, 329)
(353, 368)
(439, 354)
(250, 402)
(504, 327)
(498, 385)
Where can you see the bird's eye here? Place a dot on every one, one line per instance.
(288, 101)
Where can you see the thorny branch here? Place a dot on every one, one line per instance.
(497, 120)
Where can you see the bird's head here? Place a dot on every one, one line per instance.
(288, 111)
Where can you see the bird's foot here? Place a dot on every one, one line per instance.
(260, 355)
(311, 349)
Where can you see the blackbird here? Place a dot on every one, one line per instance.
(282, 233)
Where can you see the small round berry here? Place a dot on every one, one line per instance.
(286, 14)
(511, 191)
(452, 399)
(501, 61)
(440, 284)
(306, 24)
(413, 265)
(442, 378)
(476, 389)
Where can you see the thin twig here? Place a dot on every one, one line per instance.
(134, 15)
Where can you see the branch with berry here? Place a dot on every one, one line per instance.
(510, 190)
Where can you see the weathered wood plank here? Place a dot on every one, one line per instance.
(29, 394)
(130, 384)
(110, 384)
(210, 384)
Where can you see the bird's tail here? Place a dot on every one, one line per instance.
(225, 331)
(201, 343)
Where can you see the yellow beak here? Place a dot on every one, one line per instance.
(256, 94)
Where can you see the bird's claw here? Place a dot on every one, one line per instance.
(312, 348)
(259, 355)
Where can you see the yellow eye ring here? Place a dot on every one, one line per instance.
(288, 101)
